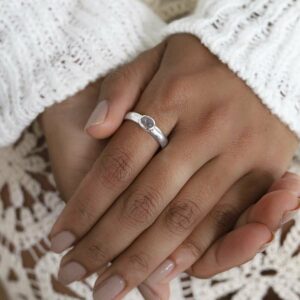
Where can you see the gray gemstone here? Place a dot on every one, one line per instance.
(147, 122)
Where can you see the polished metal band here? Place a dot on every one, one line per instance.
(148, 124)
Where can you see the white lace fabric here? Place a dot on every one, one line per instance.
(29, 205)
(42, 65)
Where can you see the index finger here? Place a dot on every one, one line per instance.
(122, 160)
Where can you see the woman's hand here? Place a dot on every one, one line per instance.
(223, 144)
(71, 151)
(236, 247)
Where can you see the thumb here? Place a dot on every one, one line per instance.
(120, 90)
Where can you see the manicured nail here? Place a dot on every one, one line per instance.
(266, 245)
(62, 241)
(147, 292)
(98, 115)
(161, 272)
(110, 288)
(71, 272)
(288, 216)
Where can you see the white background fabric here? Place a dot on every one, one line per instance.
(29, 205)
(52, 49)
(29, 202)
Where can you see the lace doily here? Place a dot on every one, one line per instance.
(29, 205)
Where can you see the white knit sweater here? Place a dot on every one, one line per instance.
(51, 49)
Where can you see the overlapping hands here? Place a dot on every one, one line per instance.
(199, 205)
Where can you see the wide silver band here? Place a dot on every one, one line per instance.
(148, 124)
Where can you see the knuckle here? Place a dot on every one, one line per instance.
(141, 206)
(225, 216)
(115, 168)
(96, 254)
(119, 76)
(84, 209)
(181, 216)
(139, 262)
(221, 115)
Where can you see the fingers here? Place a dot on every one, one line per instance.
(128, 152)
(220, 220)
(236, 248)
(150, 294)
(252, 235)
(121, 161)
(134, 211)
(178, 219)
(289, 181)
(120, 90)
(273, 208)
(71, 151)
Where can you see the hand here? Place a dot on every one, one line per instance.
(230, 149)
(72, 153)
(236, 247)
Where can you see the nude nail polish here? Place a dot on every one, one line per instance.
(99, 114)
(157, 276)
(147, 292)
(71, 272)
(162, 271)
(110, 288)
(62, 241)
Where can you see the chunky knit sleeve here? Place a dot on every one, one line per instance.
(260, 41)
(51, 49)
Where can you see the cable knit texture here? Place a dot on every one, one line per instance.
(260, 41)
(51, 49)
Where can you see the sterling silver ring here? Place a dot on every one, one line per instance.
(148, 124)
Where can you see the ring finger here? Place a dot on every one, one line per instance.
(134, 211)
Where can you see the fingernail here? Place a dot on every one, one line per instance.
(266, 245)
(98, 115)
(71, 272)
(62, 241)
(289, 215)
(161, 272)
(147, 292)
(110, 288)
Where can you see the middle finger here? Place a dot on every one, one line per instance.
(135, 210)
(175, 223)
(123, 158)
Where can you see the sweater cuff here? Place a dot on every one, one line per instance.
(49, 50)
(259, 40)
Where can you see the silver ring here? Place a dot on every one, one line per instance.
(148, 124)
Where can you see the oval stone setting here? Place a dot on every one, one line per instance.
(147, 122)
